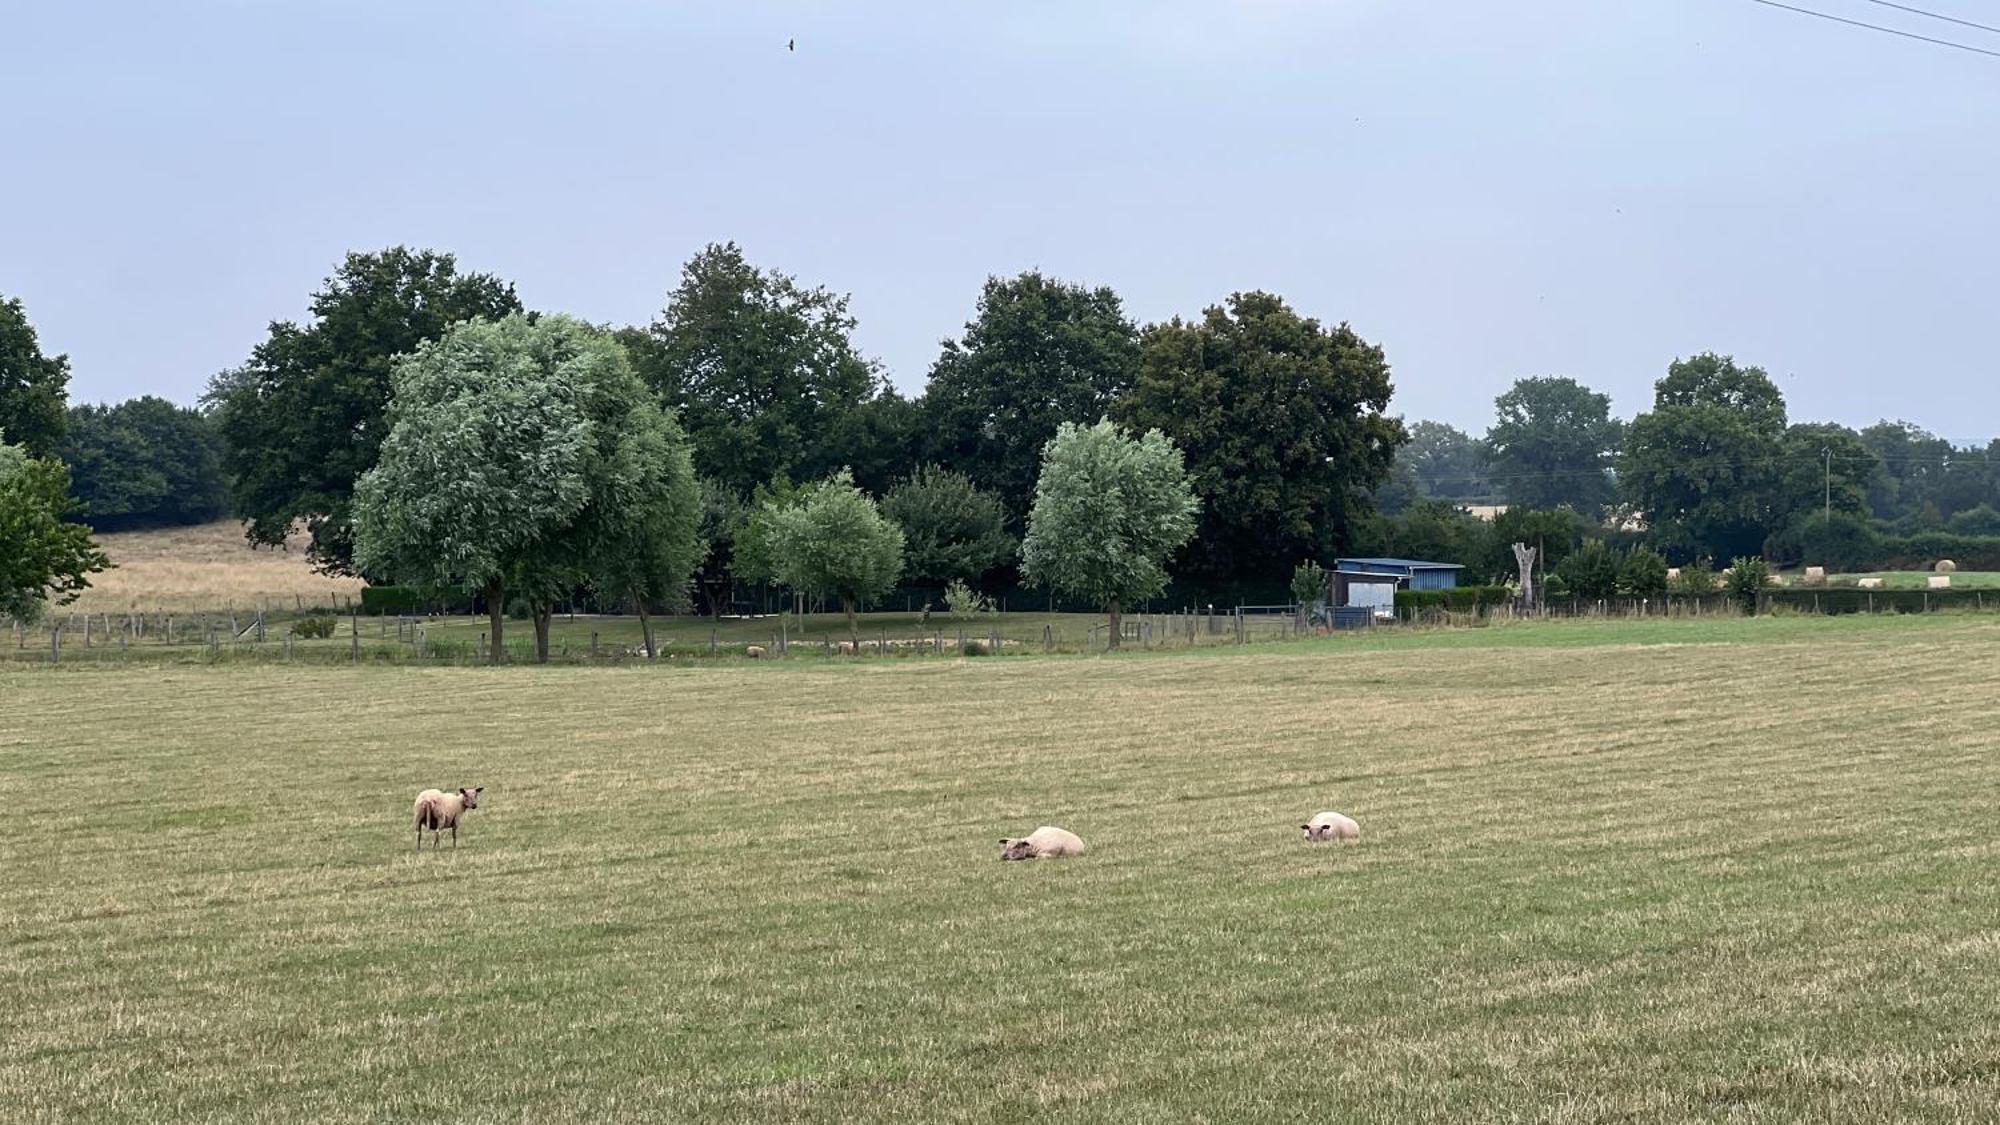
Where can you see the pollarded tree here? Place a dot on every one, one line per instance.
(640, 535)
(43, 557)
(952, 528)
(1281, 420)
(303, 419)
(1109, 510)
(33, 387)
(831, 541)
(518, 449)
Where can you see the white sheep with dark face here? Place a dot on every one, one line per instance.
(438, 810)
(1327, 826)
(1046, 842)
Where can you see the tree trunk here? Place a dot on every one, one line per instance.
(542, 613)
(1117, 614)
(496, 616)
(853, 625)
(646, 627)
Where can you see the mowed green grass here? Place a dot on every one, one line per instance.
(1747, 873)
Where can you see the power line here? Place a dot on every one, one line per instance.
(1936, 16)
(1879, 27)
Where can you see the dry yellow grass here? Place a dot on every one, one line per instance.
(206, 567)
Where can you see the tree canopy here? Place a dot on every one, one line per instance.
(952, 528)
(1282, 424)
(1445, 462)
(44, 558)
(1109, 511)
(1703, 464)
(1038, 352)
(33, 386)
(762, 371)
(524, 455)
(144, 462)
(303, 419)
(1553, 442)
(832, 541)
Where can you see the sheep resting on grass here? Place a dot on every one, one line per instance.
(438, 810)
(1330, 826)
(1046, 842)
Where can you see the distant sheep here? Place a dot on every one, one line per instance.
(1046, 842)
(1945, 566)
(1939, 581)
(1869, 583)
(438, 810)
(1673, 574)
(1330, 826)
(844, 648)
(754, 652)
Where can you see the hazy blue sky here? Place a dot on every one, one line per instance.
(1488, 190)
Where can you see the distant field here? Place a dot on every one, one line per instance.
(1593, 885)
(208, 567)
(1917, 579)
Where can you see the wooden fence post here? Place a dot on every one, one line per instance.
(1048, 639)
(55, 644)
(354, 638)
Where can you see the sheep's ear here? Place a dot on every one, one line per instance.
(1005, 840)
(479, 789)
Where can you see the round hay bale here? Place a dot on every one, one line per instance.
(1945, 566)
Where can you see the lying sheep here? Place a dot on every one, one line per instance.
(1330, 826)
(1046, 842)
(438, 810)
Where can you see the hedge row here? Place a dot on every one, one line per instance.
(1458, 597)
(1847, 599)
(1849, 543)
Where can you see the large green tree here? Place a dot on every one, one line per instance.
(524, 457)
(303, 419)
(762, 371)
(1445, 462)
(1554, 442)
(1282, 423)
(1109, 511)
(1821, 465)
(44, 558)
(952, 528)
(1703, 465)
(832, 541)
(33, 387)
(144, 462)
(1038, 352)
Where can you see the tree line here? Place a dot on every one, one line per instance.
(1280, 422)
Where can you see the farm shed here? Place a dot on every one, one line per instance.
(1374, 582)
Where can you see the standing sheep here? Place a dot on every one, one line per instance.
(1046, 842)
(438, 810)
(1330, 826)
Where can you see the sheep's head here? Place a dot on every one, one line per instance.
(1317, 833)
(1016, 849)
(472, 796)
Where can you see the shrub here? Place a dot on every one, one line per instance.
(1591, 572)
(1644, 574)
(964, 602)
(318, 627)
(1308, 583)
(1697, 580)
(1983, 520)
(1458, 597)
(1748, 575)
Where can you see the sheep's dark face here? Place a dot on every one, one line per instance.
(472, 796)
(1318, 833)
(1016, 849)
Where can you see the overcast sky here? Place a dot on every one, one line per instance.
(1487, 190)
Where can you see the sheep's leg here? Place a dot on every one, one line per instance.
(420, 837)
(454, 837)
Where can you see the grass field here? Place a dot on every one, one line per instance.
(1917, 579)
(207, 567)
(1733, 869)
